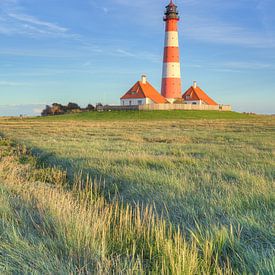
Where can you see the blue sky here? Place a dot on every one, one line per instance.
(89, 51)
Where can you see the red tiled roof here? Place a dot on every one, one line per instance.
(198, 94)
(141, 90)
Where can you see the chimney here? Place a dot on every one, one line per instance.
(195, 84)
(144, 79)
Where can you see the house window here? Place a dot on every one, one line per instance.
(130, 102)
(194, 103)
(139, 102)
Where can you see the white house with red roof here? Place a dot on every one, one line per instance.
(143, 96)
(195, 95)
(142, 93)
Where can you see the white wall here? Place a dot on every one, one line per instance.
(149, 101)
(134, 101)
(197, 102)
(183, 107)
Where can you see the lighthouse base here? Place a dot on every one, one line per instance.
(174, 100)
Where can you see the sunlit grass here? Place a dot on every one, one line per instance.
(214, 179)
(147, 115)
(45, 229)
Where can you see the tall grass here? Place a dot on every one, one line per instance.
(46, 229)
(212, 179)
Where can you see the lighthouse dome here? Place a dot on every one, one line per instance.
(171, 11)
(171, 4)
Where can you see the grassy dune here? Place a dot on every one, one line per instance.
(211, 178)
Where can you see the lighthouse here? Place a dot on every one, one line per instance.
(171, 77)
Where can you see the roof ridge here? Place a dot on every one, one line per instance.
(140, 86)
(145, 90)
(147, 93)
(194, 90)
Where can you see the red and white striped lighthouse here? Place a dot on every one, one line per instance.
(171, 77)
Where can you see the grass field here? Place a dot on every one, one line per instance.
(149, 115)
(210, 174)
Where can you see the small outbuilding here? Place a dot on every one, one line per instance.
(142, 93)
(195, 95)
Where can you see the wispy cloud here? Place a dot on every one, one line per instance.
(217, 32)
(34, 21)
(213, 22)
(248, 65)
(14, 84)
(234, 66)
(137, 55)
(99, 6)
(15, 21)
(204, 21)
(264, 8)
(24, 109)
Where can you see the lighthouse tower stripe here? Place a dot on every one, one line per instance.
(171, 70)
(173, 85)
(171, 77)
(171, 39)
(171, 25)
(171, 54)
